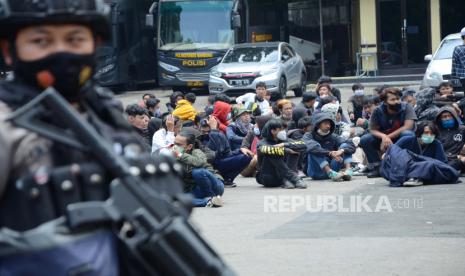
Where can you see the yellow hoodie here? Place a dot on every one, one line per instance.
(185, 111)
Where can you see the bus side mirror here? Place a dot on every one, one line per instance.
(236, 21)
(149, 21)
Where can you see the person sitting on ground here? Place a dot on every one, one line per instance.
(389, 122)
(297, 114)
(408, 96)
(285, 108)
(425, 108)
(323, 91)
(249, 145)
(341, 128)
(191, 97)
(272, 169)
(308, 101)
(334, 91)
(174, 98)
(356, 100)
(200, 178)
(237, 130)
(256, 102)
(145, 98)
(138, 117)
(445, 91)
(222, 113)
(425, 142)
(164, 137)
(210, 105)
(362, 124)
(184, 110)
(153, 106)
(229, 163)
(329, 155)
(304, 125)
(451, 135)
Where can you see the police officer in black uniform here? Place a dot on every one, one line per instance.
(51, 43)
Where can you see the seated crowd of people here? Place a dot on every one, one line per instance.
(408, 137)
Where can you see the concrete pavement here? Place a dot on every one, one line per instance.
(423, 235)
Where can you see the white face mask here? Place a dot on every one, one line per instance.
(322, 133)
(359, 92)
(282, 135)
(256, 131)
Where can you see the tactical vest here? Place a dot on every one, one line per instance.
(42, 195)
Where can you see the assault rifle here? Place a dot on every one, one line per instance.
(152, 225)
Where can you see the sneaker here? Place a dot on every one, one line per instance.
(288, 185)
(347, 175)
(216, 201)
(413, 182)
(229, 184)
(300, 184)
(301, 174)
(336, 176)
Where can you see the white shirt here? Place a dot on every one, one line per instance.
(249, 98)
(162, 139)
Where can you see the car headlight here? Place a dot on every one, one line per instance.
(215, 73)
(168, 67)
(435, 76)
(269, 71)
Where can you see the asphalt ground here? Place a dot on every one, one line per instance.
(360, 227)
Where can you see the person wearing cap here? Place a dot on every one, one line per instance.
(49, 44)
(308, 100)
(334, 91)
(458, 61)
(237, 130)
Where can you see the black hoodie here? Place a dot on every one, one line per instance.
(452, 139)
(322, 145)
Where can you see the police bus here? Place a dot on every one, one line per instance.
(129, 58)
(194, 35)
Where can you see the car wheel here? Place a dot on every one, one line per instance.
(282, 87)
(302, 88)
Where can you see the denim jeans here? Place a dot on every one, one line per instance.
(371, 146)
(317, 163)
(231, 166)
(206, 185)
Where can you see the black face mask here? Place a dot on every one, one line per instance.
(395, 107)
(66, 72)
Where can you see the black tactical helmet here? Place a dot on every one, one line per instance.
(15, 14)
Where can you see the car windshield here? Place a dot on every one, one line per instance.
(252, 54)
(184, 25)
(447, 48)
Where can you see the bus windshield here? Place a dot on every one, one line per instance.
(192, 25)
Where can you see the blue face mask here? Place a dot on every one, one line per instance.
(256, 131)
(449, 123)
(427, 139)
